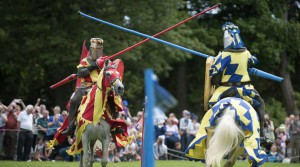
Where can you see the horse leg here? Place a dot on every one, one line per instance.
(85, 147)
(234, 154)
(105, 143)
(92, 143)
(81, 156)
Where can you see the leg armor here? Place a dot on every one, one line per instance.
(261, 112)
(75, 102)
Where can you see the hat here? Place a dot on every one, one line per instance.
(282, 127)
(125, 103)
(186, 112)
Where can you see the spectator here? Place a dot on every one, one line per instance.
(64, 114)
(132, 125)
(48, 151)
(42, 125)
(171, 135)
(173, 117)
(184, 123)
(112, 156)
(139, 115)
(20, 106)
(54, 123)
(287, 123)
(25, 120)
(64, 147)
(130, 151)
(278, 143)
(11, 132)
(177, 153)
(160, 129)
(3, 120)
(288, 153)
(36, 116)
(38, 108)
(282, 137)
(39, 151)
(193, 129)
(269, 131)
(160, 149)
(56, 111)
(43, 108)
(294, 130)
(126, 109)
(139, 144)
(274, 156)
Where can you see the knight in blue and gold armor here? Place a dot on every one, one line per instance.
(229, 73)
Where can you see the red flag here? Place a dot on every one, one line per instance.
(84, 53)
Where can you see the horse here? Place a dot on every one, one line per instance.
(109, 84)
(230, 127)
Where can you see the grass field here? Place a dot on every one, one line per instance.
(130, 164)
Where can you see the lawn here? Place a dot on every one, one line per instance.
(129, 164)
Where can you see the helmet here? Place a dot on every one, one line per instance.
(232, 39)
(96, 48)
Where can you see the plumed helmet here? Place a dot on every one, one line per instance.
(96, 48)
(232, 38)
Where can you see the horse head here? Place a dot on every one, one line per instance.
(113, 74)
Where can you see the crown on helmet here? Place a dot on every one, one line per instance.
(232, 38)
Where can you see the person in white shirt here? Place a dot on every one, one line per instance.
(3, 120)
(25, 120)
(172, 134)
(131, 150)
(193, 128)
(160, 149)
(184, 123)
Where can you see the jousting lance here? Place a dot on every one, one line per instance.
(252, 71)
(73, 76)
(162, 32)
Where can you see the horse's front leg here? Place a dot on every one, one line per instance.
(92, 160)
(233, 156)
(105, 143)
(81, 157)
(85, 151)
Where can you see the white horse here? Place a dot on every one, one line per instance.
(231, 127)
(101, 131)
(236, 132)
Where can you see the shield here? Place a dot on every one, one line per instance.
(208, 88)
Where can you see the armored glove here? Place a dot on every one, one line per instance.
(100, 61)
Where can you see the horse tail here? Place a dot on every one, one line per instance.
(225, 138)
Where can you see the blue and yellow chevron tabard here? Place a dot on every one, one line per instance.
(234, 68)
(245, 116)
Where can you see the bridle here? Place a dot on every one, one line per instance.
(107, 75)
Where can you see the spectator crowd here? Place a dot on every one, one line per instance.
(26, 130)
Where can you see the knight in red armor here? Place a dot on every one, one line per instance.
(88, 71)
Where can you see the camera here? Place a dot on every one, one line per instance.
(43, 100)
(17, 100)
